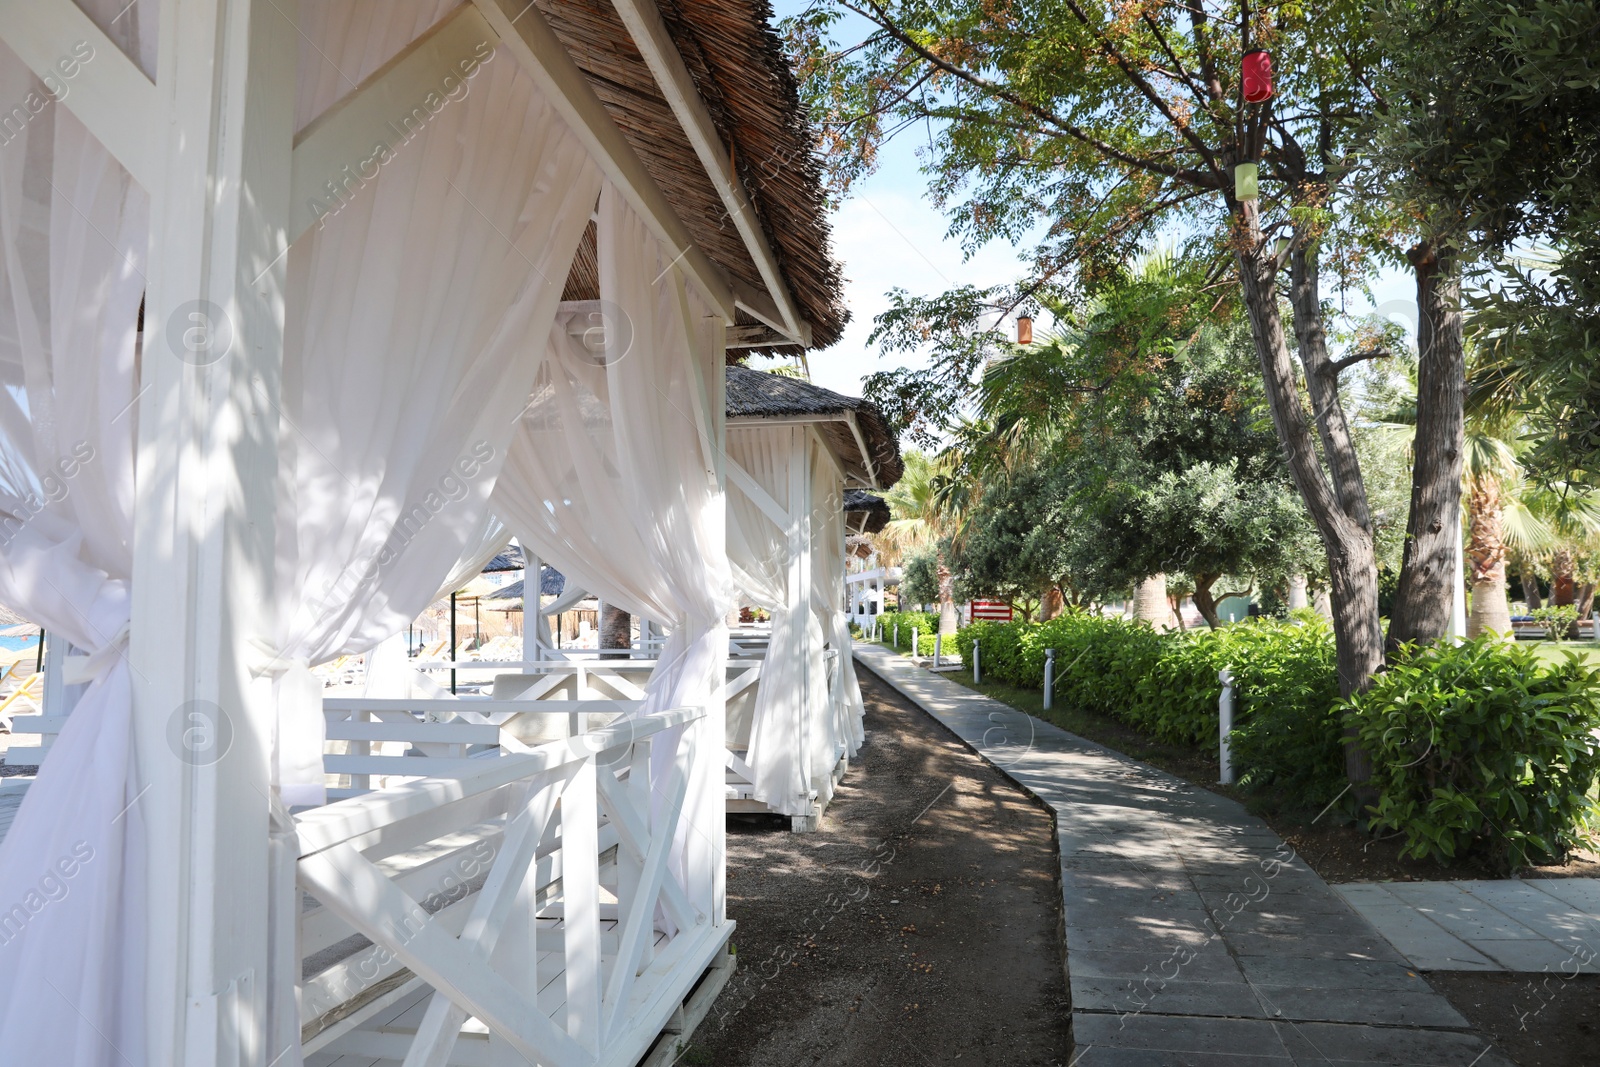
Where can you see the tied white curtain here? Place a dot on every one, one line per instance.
(827, 601)
(612, 480)
(73, 236)
(407, 359)
(790, 724)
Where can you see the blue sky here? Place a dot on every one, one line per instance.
(888, 234)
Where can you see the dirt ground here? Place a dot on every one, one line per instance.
(920, 926)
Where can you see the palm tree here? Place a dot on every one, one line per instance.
(1499, 520)
(924, 512)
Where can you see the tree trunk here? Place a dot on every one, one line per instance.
(1486, 549)
(1338, 505)
(1051, 603)
(948, 623)
(1563, 582)
(1585, 602)
(1297, 592)
(1150, 602)
(1204, 602)
(1530, 588)
(1426, 593)
(616, 631)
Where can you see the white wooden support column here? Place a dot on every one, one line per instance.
(203, 540)
(532, 617)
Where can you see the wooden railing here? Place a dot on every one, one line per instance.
(527, 891)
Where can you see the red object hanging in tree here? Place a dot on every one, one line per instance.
(1256, 75)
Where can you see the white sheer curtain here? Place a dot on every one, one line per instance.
(73, 238)
(407, 360)
(410, 313)
(612, 480)
(790, 719)
(827, 598)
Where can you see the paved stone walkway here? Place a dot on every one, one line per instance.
(1542, 924)
(1194, 936)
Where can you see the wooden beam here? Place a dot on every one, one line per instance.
(758, 495)
(342, 149)
(762, 336)
(660, 52)
(530, 40)
(105, 90)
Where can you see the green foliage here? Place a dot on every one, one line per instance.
(925, 622)
(919, 577)
(1166, 685)
(1557, 620)
(1483, 747)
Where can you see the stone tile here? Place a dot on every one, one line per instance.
(1176, 1036)
(1539, 956)
(1209, 963)
(1459, 912)
(1315, 946)
(1179, 997)
(1539, 911)
(1332, 974)
(1384, 1007)
(1338, 1043)
(1423, 942)
(1581, 893)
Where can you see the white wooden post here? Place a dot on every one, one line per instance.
(206, 467)
(1225, 727)
(897, 634)
(52, 700)
(977, 673)
(915, 644)
(938, 648)
(532, 618)
(1049, 677)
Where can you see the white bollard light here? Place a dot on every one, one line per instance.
(938, 649)
(977, 674)
(1049, 676)
(1225, 726)
(897, 635)
(916, 647)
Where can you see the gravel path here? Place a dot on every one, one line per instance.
(919, 926)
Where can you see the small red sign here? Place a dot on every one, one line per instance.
(991, 611)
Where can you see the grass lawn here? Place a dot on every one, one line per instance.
(1552, 652)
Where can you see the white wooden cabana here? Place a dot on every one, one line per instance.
(794, 450)
(293, 296)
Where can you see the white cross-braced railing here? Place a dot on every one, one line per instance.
(532, 894)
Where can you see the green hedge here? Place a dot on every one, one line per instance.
(1166, 685)
(926, 622)
(1486, 748)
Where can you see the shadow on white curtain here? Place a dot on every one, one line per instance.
(612, 479)
(406, 363)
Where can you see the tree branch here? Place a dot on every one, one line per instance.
(1333, 368)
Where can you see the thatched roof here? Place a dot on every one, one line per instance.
(551, 583)
(509, 560)
(865, 512)
(755, 395)
(740, 71)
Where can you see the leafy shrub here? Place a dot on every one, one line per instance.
(1483, 747)
(1166, 685)
(1558, 620)
(925, 622)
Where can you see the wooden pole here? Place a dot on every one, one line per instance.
(204, 518)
